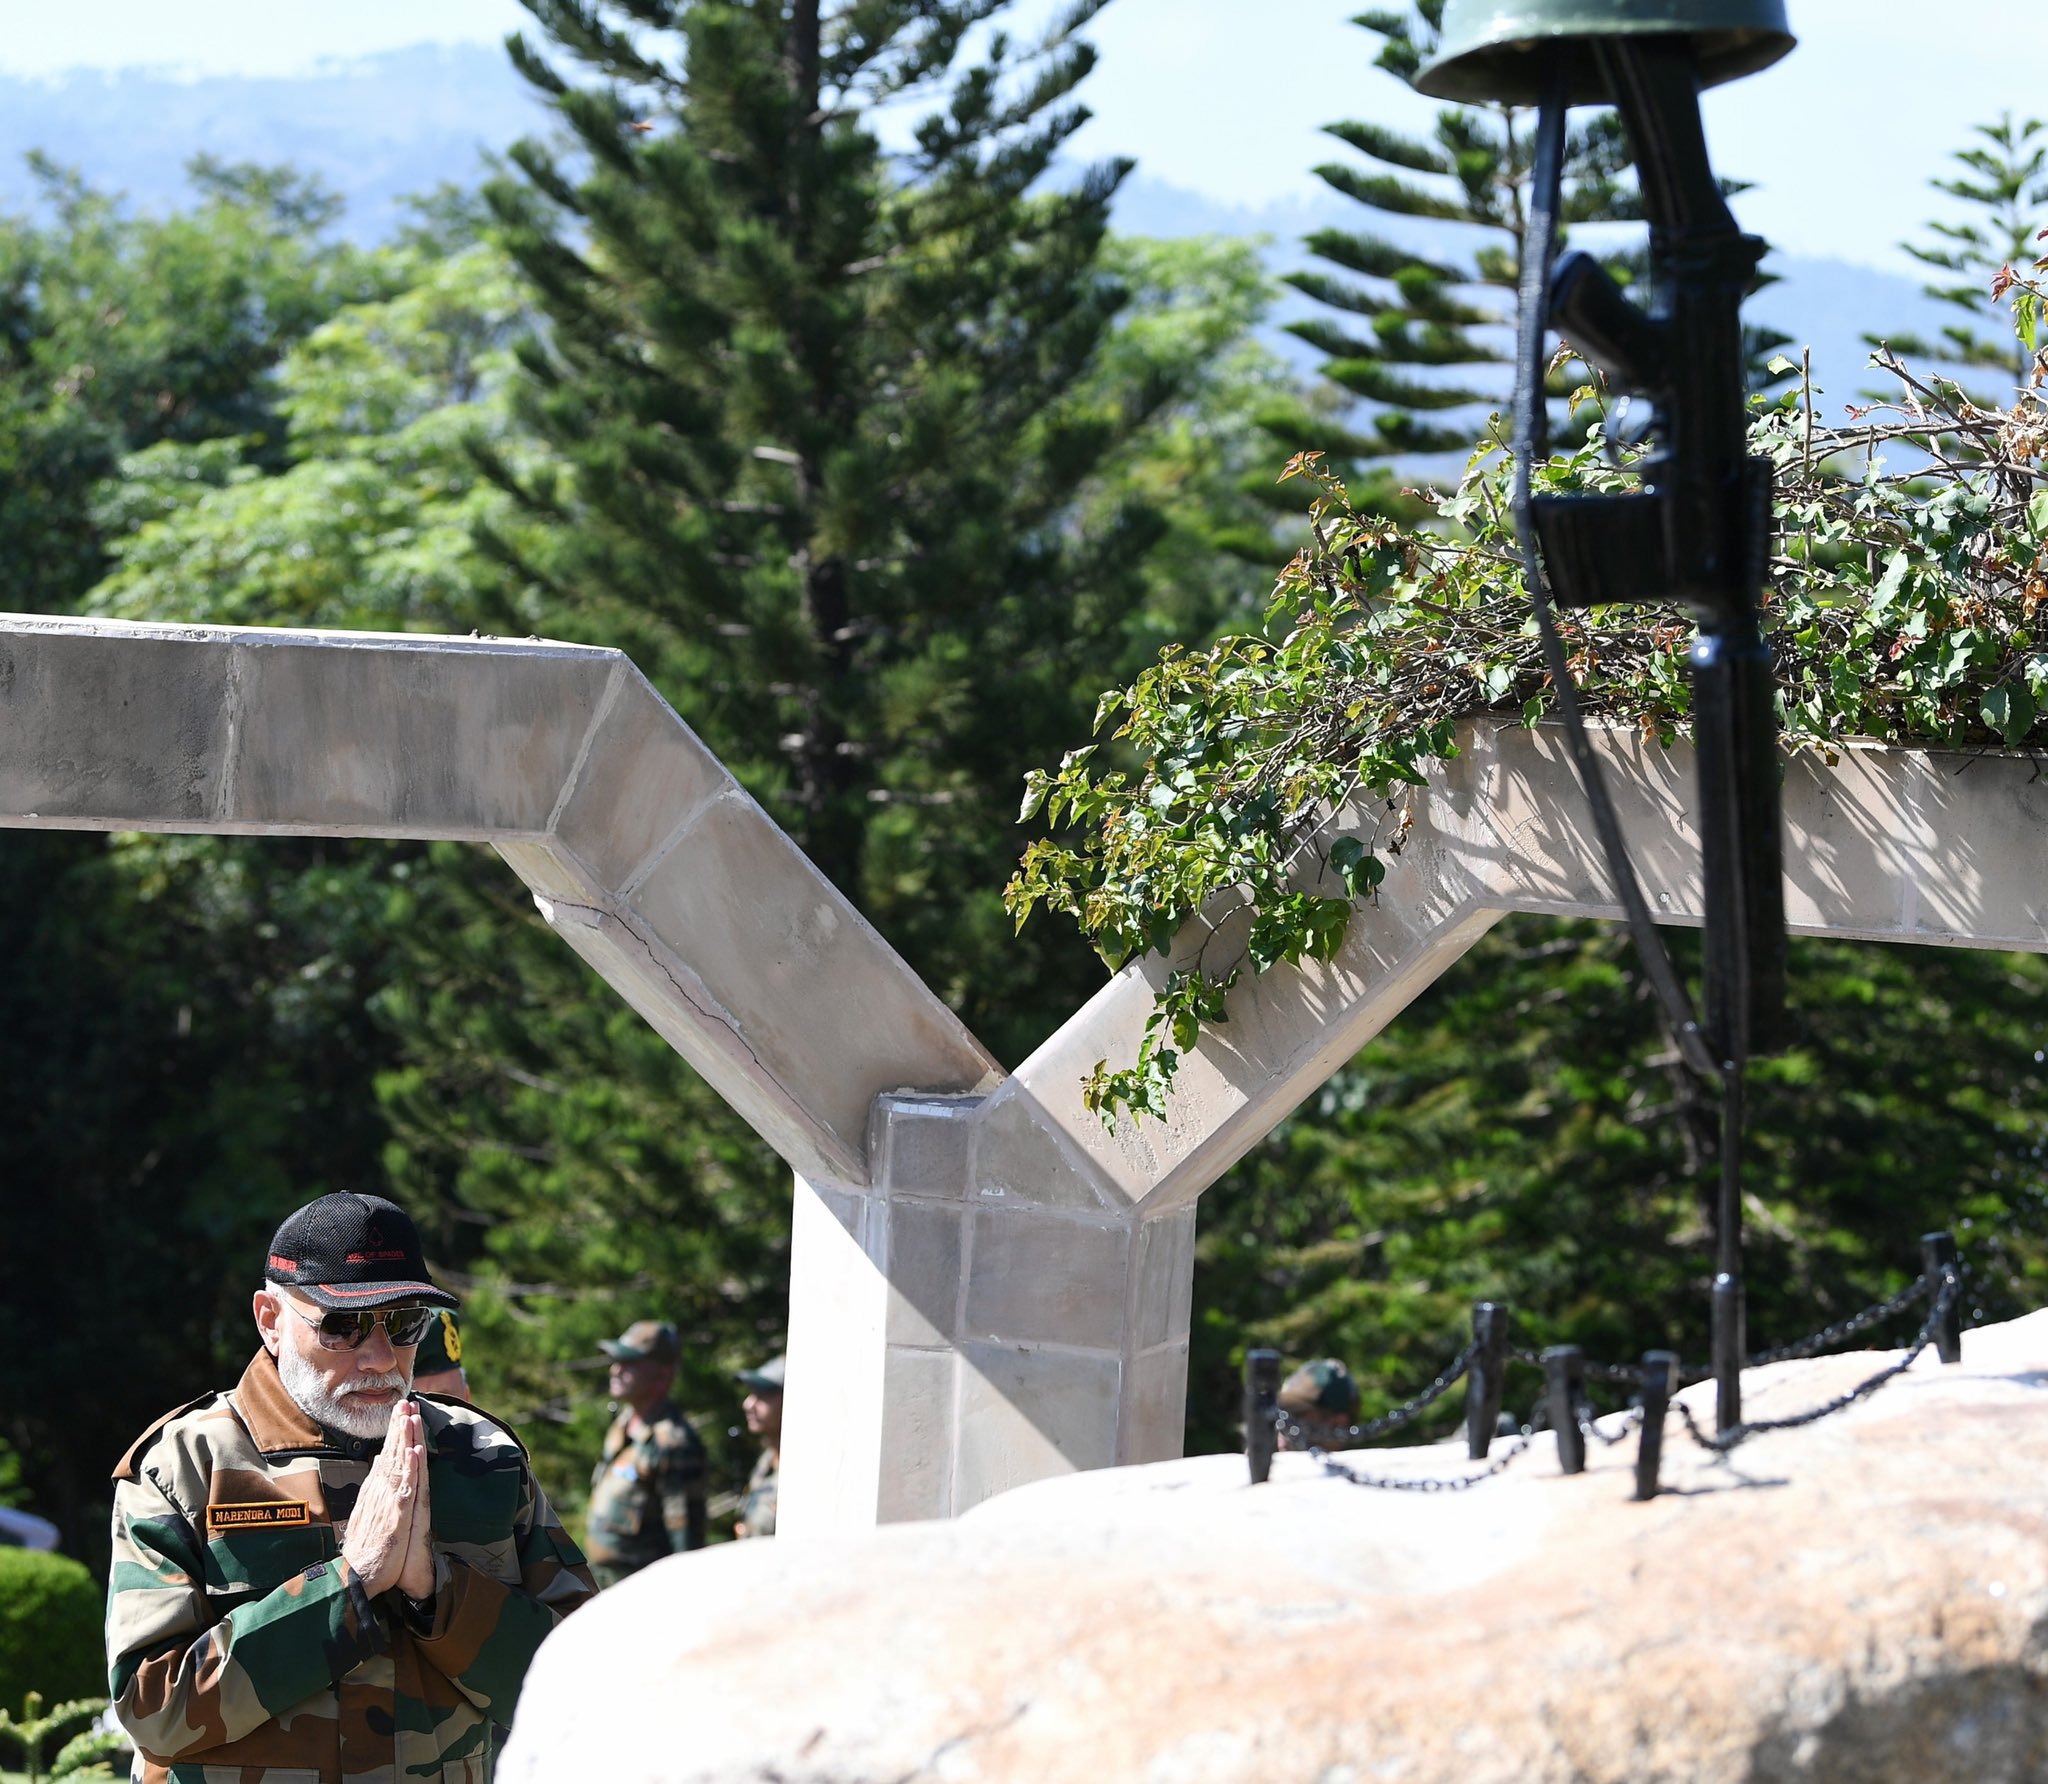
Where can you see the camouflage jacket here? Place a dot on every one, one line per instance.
(647, 1496)
(243, 1650)
(757, 1504)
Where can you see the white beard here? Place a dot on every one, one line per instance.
(332, 1407)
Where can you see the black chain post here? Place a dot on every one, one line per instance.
(1660, 1375)
(1488, 1376)
(1564, 1375)
(1261, 1399)
(1938, 1259)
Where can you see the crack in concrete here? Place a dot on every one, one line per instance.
(598, 916)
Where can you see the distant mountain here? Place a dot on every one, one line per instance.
(374, 129)
(1827, 305)
(402, 122)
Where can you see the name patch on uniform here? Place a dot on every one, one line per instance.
(260, 1514)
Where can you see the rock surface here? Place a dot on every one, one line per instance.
(1862, 1600)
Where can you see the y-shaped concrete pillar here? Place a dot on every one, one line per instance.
(986, 1287)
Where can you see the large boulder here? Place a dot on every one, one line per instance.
(1864, 1600)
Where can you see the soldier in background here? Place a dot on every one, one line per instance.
(1321, 1399)
(647, 1496)
(763, 1411)
(437, 1367)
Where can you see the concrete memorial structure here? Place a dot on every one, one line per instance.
(987, 1288)
(1862, 1601)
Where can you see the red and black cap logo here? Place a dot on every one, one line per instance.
(350, 1250)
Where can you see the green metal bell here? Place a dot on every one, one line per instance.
(1489, 48)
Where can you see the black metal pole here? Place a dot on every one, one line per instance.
(1564, 1374)
(1938, 1259)
(1660, 1376)
(1261, 1398)
(1731, 1338)
(1487, 1379)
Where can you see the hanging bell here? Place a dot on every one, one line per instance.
(1488, 49)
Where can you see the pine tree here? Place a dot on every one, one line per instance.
(826, 418)
(1427, 341)
(2006, 187)
(1439, 352)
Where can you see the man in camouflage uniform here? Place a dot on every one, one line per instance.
(647, 1496)
(763, 1411)
(1321, 1401)
(315, 1576)
(437, 1366)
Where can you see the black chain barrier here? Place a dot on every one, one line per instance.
(1565, 1407)
(1398, 1483)
(1722, 1442)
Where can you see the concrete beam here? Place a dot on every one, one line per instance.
(641, 850)
(1884, 845)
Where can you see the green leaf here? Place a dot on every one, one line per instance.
(2037, 514)
(1363, 878)
(1887, 591)
(2010, 712)
(1780, 364)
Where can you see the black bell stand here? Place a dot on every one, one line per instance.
(1697, 531)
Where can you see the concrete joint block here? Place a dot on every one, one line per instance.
(920, 1144)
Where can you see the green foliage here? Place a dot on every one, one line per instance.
(2004, 189)
(183, 1045)
(1902, 610)
(117, 332)
(1522, 1134)
(370, 522)
(93, 1755)
(31, 1738)
(49, 1627)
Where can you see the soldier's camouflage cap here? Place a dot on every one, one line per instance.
(1322, 1389)
(767, 1379)
(441, 1348)
(644, 1340)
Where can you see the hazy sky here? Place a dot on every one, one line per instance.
(1226, 96)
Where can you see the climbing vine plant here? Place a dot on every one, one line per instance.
(1904, 605)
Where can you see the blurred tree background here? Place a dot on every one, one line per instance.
(882, 462)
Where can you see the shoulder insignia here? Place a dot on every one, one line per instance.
(129, 1464)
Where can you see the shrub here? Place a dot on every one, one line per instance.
(50, 1639)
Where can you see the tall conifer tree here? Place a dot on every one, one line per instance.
(825, 412)
(1426, 341)
(2005, 187)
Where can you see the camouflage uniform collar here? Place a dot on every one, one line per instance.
(280, 1426)
(661, 1412)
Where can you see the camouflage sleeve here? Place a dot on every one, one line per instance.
(183, 1677)
(484, 1632)
(682, 1496)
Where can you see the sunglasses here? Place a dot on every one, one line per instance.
(344, 1329)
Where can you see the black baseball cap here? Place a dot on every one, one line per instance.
(348, 1250)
